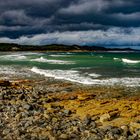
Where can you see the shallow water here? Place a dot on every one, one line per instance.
(85, 68)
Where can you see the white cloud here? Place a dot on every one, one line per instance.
(113, 36)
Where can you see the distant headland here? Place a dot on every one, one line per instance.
(59, 47)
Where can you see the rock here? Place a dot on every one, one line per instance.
(74, 122)
(134, 126)
(116, 131)
(27, 106)
(5, 83)
(87, 120)
(54, 120)
(108, 128)
(110, 135)
(93, 125)
(138, 132)
(125, 129)
(21, 96)
(18, 117)
(68, 90)
(6, 131)
(46, 116)
(72, 97)
(67, 112)
(74, 137)
(105, 117)
(94, 118)
(1, 96)
(93, 137)
(50, 136)
(122, 138)
(63, 136)
(75, 128)
(133, 137)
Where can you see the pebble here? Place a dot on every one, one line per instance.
(87, 120)
(27, 107)
(23, 116)
(63, 136)
(67, 112)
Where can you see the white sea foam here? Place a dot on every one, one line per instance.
(75, 76)
(115, 58)
(94, 75)
(42, 59)
(101, 56)
(7, 70)
(70, 75)
(81, 68)
(69, 53)
(12, 72)
(13, 57)
(130, 61)
(59, 55)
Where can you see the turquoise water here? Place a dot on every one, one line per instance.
(85, 68)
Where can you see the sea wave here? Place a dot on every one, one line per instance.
(14, 72)
(75, 76)
(94, 75)
(130, 61)
(7, 70)
(101, 56)
(13, 57)
(44, 60)
(59, 55)
(69, 75)
(115, 58)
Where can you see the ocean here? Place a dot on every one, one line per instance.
(88, 68)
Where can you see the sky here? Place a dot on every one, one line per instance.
(81, 22)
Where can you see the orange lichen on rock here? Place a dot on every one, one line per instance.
(118, 110)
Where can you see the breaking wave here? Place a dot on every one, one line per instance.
(115, 58)
(75, 76)
(13, 57)
(130, 61)
(69, 75)
(44, 60)
(58, 55)
(94, 75)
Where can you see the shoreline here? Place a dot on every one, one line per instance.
(33, 109)
(73, 51)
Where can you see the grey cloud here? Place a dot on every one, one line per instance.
(20, 18)
(112, 36)
(131, 16)
(85, 6)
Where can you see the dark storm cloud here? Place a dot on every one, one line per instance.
(33, 17)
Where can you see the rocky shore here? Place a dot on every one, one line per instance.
(32, 110)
